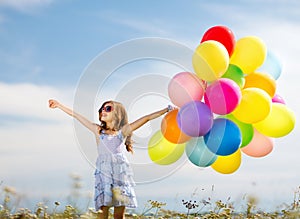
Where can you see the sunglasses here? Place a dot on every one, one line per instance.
(106, 109)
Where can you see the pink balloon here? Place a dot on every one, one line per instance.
(185, 87)
(278, 99)
(259, 146)
(223, 96)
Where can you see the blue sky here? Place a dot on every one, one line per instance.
(45, 48)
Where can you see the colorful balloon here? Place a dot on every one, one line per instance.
(262, 81)
(198, 153)
(247, 130)
(237, 80)
(185, 87)
(224, 138)
(210, 60)
(259, 146)
(228, 164)
(163, 152)
(222, 96)
(272, 65)
(236, 74)
(280, 121)
(255, 106)
(278, 99)
(171, 130)
(195, 119)
(221, 34)
(249, 54)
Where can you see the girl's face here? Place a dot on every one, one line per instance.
(105, 113)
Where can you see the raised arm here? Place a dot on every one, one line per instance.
(88, 124)
(128, 129)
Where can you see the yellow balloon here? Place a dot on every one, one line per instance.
(249, 54)
(261, 80)
(163, 152)
(255, 105)
(210, 60)
(228, 164)
(280, 121)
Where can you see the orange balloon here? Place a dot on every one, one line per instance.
(171, 130)
(261, 80)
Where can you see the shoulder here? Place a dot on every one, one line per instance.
(98, 129)
(126, 130)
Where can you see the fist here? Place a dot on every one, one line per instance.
(53, 103)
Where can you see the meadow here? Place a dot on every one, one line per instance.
(204, 209)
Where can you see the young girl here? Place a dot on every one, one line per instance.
(113, 176)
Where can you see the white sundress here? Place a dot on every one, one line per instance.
(113, 176)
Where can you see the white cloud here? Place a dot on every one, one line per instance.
(25, 100)
(38, 146)
(153, 26)
(24, 5)
(144, 27)
(29, 129)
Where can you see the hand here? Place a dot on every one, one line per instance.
(170, 108)
(53, 103)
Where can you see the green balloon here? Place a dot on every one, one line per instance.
(247, 130)
(236, 74)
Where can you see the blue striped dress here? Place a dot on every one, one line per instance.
(113, 176)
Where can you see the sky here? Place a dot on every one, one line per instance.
(85, 53)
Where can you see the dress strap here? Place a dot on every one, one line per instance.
(120, 135)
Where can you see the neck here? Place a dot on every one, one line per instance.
(109, 126)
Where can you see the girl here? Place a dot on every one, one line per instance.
(113, 176)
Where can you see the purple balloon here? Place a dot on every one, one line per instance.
(195, 118)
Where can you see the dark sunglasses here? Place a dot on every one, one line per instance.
(106, 109)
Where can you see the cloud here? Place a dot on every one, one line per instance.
(26, 100)
(41, 156)
(24, 5)
(38, 147)
(144, 27)
(154, 27)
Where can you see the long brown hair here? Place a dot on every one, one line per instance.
(120, 119)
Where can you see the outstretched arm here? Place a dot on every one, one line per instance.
(128, 129)
(88, 124)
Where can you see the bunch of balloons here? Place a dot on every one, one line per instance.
(226, 107)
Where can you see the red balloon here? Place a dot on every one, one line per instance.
(221, 34)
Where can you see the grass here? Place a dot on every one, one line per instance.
(204, 209)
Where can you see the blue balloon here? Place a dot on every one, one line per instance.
(272, 65)
(198, 153)
(224, 138)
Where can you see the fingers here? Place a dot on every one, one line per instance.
(52, 103)
(170, 108)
